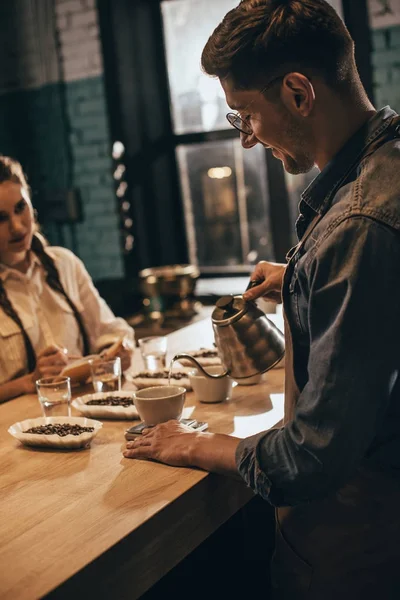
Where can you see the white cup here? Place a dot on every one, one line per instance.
(211, 390)
(160, 403)
(250, 380)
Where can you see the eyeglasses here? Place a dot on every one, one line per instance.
(236, 120)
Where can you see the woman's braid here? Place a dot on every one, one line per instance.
(53, 280)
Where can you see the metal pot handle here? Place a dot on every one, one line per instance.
(199, 366)
(253, 283)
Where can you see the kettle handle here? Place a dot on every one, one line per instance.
(253, 283)
(199, 366)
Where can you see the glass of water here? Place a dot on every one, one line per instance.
(154, 352)
(106, 374)
(54, 395)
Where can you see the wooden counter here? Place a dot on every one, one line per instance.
(93, 518)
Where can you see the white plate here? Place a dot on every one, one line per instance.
(204, 361)
(145, 382)
(55, 441)
(99, 411)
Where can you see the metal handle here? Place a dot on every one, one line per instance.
(253, 283)
(199, 366)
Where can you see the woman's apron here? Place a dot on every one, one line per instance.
(347, 546)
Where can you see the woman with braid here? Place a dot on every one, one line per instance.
(50, 310)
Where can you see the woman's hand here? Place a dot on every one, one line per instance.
(125, 355)
(271, 275)
(50, 362)
(124, 349)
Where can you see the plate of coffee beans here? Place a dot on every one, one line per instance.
(107, 405)
(56, 432)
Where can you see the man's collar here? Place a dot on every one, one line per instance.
(320, 191)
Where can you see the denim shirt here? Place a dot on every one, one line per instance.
(342, 303)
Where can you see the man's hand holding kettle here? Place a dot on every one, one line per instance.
(270, 276)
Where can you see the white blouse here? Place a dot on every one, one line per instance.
(48, 318)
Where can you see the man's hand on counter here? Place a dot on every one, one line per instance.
(178, 445)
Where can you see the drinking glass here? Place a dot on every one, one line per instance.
(54, 395)
(106, 374)
(154, 351)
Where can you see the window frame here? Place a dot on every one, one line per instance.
(137, 88)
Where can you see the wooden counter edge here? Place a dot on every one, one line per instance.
(140, 560)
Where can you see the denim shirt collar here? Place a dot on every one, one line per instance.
(321, 189)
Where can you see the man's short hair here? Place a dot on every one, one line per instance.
(262, 39)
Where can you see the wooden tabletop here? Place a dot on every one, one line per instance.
(64, 512)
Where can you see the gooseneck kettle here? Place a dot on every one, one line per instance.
(248, 343)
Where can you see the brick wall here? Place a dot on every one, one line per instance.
(98, 242)
(53, 118)
(386, 63)
(78, 33)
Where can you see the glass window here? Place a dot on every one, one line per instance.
(225, 188)
(197, 100)
(226, 204)
(384, 17)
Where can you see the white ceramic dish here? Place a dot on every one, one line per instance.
(204, 361)
(211, 390)
(99, 411)
(144, 379)
(55, 441)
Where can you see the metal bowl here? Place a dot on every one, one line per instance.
(167, 287)
(171, 280)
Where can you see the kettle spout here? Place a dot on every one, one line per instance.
(199, 366)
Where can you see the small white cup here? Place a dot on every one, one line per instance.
(250, 380)
(211, 390)
(160, 403)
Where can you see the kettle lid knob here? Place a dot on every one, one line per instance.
(227, 308)
(225, 302)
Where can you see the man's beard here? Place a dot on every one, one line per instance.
(297, 141)
(303, 164)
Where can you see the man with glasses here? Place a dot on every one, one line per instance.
(333, 469)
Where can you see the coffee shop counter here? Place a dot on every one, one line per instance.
(92, 520)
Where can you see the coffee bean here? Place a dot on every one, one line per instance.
(59, 429)
(112, 401)
(203, 353)
(161, 375)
